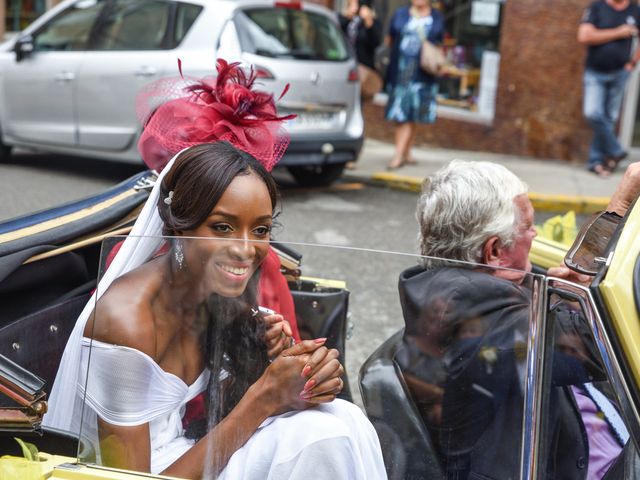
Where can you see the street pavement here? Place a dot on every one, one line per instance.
(554, 185)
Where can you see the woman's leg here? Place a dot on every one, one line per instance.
(406, 156)
(403, 134)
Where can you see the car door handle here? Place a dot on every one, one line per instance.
(145, 72)
(65, 77)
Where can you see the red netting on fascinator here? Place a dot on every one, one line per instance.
(182, 112)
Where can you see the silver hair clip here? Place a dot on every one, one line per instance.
(169, 198)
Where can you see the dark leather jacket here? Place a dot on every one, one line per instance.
(478, 323)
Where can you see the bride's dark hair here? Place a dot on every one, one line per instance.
(231, 335)
(199, 177)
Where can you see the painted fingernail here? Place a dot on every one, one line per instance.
(309, 385)
(306, 370)
(320, 340)
(305, 395)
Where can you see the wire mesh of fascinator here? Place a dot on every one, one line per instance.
(181, 112)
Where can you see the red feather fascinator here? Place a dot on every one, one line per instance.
(226, 107)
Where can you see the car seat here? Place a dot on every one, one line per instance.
(406, 444)
(322, 311)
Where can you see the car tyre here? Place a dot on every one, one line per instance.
(5, 152)
(316, 175)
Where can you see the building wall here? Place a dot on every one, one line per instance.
(3, 12)
(538, 103)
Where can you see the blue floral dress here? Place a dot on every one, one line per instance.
(412, 93)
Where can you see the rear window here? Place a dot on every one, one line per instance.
(185, 18)
(290, 33)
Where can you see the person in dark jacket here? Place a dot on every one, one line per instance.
(476, 309)
(362, 29)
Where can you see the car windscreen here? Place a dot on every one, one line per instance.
(174, 344)
(290, 33)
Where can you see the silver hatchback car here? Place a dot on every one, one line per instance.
(68, 82)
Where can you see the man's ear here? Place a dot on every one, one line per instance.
(492, 252)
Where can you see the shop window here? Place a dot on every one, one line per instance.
(471, 45)
(21, 13)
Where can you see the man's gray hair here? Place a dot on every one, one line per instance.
(464, 204)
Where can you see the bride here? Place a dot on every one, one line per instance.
(167, 324)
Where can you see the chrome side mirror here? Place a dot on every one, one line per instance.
(587, 254)
(23, 47)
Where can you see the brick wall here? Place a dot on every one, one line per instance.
(538, 104)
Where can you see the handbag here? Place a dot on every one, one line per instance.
(381, 59)
(432, 59)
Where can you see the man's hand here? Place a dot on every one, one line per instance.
(627, 191)
(566, 273)
(626, 31)
(588, 34)
(367, 15)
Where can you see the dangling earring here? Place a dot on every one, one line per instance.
(178, 254)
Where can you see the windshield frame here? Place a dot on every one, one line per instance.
(614, 293)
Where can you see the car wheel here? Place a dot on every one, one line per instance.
(316, 175)
(5, 152)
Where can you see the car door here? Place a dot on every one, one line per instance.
(586, 420)
(40, 90)
(133, 46)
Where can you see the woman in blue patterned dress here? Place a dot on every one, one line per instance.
(412, 91)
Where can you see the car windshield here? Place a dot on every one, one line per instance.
(167, 345)
(290, 33)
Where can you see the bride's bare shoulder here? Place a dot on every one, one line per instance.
(124, 315)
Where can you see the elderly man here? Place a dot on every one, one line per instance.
(468, 320)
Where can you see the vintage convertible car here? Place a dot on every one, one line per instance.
(457, 393)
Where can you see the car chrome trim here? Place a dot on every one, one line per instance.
(291, 106)
(604, 345)
(533, 386)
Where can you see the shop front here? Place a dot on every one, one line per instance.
(515, 85)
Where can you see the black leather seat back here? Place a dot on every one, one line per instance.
(323, 313)
(36, 342)
(406, 444)
(34, 286)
